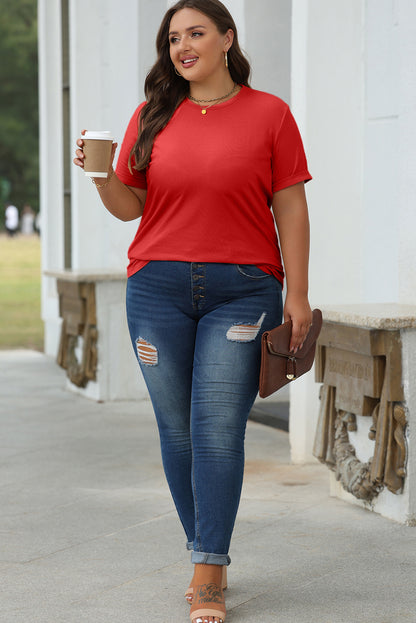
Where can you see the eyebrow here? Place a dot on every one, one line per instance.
(175, 32)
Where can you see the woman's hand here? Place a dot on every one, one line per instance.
(291, 213)
(79, 153)
(124, 202)
(298, 310)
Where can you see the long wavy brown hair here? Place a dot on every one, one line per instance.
(165, 90)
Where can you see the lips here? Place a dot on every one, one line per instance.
(189, 62)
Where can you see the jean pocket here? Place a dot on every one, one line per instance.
(252, 271)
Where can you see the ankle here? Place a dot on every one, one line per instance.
(207, 574)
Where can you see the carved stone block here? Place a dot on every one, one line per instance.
(361, 374)
(357, 377)
(78, 344)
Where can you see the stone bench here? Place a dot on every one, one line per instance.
(366, 362)
(95, 348)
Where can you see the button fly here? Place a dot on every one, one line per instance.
(198, 276)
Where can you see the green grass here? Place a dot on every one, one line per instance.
(20, 276)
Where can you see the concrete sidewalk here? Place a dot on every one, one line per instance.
(88, 532)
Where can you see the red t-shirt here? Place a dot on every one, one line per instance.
(211, 179)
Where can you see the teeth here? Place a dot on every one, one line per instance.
(189, 60)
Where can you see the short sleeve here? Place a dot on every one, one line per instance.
(289, 161)
(130, 178)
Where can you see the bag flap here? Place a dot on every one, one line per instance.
(278, 339)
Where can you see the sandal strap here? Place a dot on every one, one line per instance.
(200, 614)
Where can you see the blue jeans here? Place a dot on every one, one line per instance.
(196, 330)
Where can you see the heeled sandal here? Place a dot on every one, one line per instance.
(189, 594)
(210, 609)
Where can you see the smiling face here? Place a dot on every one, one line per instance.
(196, 45)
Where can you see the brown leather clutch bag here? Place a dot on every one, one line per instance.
(279, 366)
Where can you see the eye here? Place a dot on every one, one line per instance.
(173, 40)
(197, 34)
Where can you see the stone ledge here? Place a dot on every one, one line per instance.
(86, 275)
(388, 316)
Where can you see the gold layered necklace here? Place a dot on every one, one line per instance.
(205, 104)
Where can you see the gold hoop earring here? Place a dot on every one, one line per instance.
(226, 59)
(177, 72)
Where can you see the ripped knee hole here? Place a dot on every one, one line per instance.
(146, 352)
(245, 332)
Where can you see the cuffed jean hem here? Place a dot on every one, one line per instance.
(190, 546)
(201, 558)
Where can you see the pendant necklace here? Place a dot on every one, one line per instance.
(213, 101)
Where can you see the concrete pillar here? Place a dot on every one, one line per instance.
(268, 44)
(406, 15)
(51, 162)
(327, 100)
(381, 151)
(111, 51)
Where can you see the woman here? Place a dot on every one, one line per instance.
(203, 160)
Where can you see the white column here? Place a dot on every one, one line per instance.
(111, 52)
(51, 163)
(237, 9)
(327, 101)
(268, 36)
(406, 17)
(104, 93)
(382, 155)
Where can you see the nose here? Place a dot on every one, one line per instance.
(184, 44)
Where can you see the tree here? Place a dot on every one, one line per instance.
(19, 124)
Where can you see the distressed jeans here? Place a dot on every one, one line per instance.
(196, 331)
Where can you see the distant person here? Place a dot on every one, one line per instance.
(38, 223)
(12, 219)
(28, 221)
